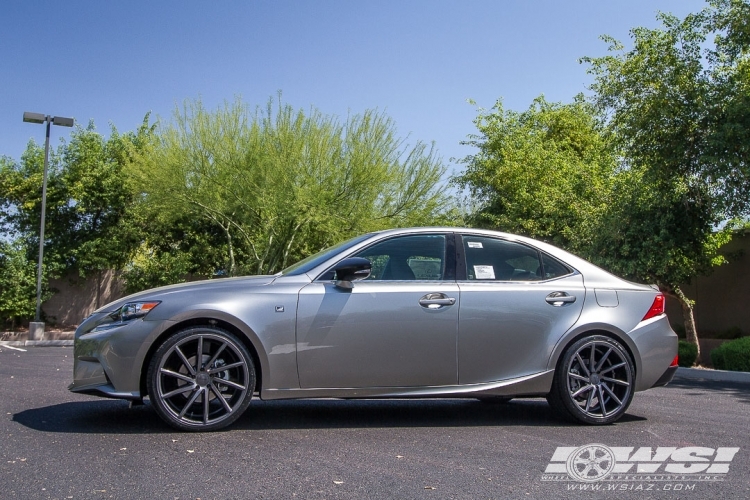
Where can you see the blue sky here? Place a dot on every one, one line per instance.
(419, 61)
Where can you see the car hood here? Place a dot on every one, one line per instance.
(205, 286)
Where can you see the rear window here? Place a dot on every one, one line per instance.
(494, 259)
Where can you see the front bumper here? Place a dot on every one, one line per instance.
(105, 391)
(109, 363)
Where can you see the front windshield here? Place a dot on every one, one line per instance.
(315, 260)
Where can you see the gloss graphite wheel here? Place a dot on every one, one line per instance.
(201, 379)
(593, 381)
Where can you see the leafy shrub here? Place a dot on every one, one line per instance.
(687, 352)
(733, 355)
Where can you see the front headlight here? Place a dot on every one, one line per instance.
(125, 314)
(133, 310)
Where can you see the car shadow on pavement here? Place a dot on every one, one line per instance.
(114, 417)
(101, 416)
(320, 413)
(740, 391)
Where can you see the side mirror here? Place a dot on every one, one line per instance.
(351, 269)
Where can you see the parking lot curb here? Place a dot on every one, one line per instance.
(35, 343)
(712, 375)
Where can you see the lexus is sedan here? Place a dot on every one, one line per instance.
(404, 313)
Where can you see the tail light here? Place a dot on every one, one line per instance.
(657, 308)
(675, 361)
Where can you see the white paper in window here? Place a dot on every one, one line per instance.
(474, 244)
(484, 272)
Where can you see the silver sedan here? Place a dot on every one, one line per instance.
(426, 312)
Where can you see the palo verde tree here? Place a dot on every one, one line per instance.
(279, 184)
(678, 106)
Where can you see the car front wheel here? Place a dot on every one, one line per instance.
(594, 381)
(201, 379)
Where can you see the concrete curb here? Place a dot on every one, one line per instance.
(35, 343)
(712, 375)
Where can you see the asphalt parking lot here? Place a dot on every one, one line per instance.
(56, 444)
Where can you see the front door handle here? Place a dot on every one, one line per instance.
(436, 301)
(559, 299)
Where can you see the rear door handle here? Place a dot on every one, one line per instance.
(436, 301)
(559, 299)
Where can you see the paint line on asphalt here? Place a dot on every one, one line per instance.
(14, 348)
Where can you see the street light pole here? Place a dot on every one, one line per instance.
(37, 316)
(36, 329)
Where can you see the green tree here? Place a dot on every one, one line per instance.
(279, 184)
(17, 284)
(545, 172)
(90, 221)
(678, 108)
(654, 232)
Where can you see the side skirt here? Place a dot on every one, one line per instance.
(537, 384)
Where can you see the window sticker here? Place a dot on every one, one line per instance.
(484, 272)
(474, 244)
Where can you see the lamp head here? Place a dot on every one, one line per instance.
(34, 117)
(62, 121)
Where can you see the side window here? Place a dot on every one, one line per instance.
(553, 268)
(500, 260)
(407, 258)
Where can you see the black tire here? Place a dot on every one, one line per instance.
(205, 394)
(594, 381)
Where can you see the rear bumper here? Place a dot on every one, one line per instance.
(656, 346)
(666, 377)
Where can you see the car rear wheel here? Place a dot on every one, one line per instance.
(594, 381)
(201, 379)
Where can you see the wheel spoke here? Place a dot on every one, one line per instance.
(221, 398)
(184, 360)
(592, 364)
(582, 390)
(181, 390)
(616, 381)
(590, 400)
(190, 401)
(612, 395)
(613, 367)
(225, 367)
(601, 401)
(578, 377)
(180, 376)
(601, 361)
(215, 356)
(233, 385)
(205, 405)
(583, 365)
(199, 356)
